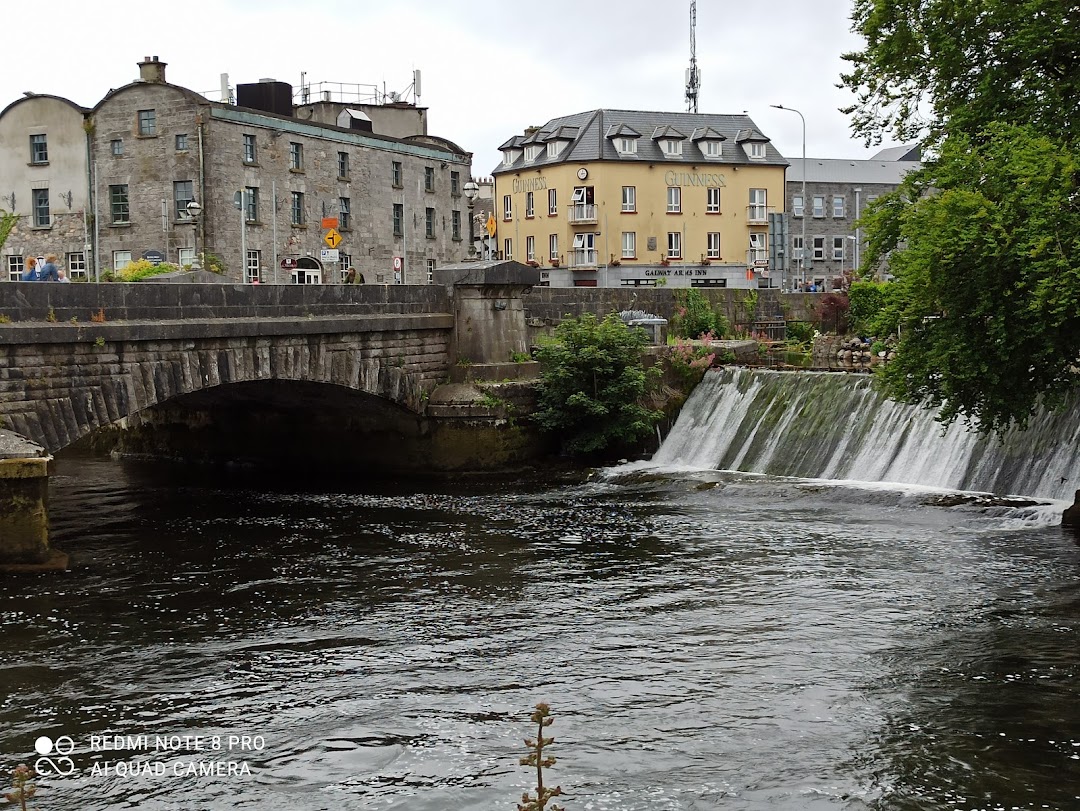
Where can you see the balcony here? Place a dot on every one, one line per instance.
(582, 214)
(757, 214)
(582, 259)
(757, 258)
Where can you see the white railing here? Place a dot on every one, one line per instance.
(582, 258)
(582, 213)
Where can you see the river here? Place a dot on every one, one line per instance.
(706, 640)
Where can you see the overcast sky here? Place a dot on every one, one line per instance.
(489, 69)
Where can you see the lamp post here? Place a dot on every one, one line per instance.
(802, 253)
(471, 190)
(194, 210)
(240, 201)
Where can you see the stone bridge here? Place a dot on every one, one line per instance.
(76, 358)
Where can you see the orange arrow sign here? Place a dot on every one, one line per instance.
(332, 238)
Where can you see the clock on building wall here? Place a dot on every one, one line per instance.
(582, 173)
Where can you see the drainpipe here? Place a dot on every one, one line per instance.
(201, 224)
(858, 235)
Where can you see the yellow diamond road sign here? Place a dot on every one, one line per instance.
(332, 238)
(490, 225)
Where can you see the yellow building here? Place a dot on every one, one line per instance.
(613, 198)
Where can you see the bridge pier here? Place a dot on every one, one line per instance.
(24, 506)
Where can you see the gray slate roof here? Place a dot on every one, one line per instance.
(597, 128)
(843, 170)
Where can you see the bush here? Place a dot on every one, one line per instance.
(593, 382)
(142, 269)
(875, 308)
(693, 315)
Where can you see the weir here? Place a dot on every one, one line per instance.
(837, 426)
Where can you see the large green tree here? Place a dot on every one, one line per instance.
(982, 239)
(593, 385)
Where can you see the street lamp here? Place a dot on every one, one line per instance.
(802, 253)
(240, 201)
(193, 211)
(471, 190)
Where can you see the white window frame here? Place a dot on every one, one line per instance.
(626, 146)
(759, 205)
(14, 267)
(553, 247)
(530, 205)
(629, 244)
(629, 199)
(508, 207)
(76, 265)
(756, 150)
(712, 245)
(674, 245)
(185, 257)
(838, 248)
(711, 148)
(818, 247)
(674, 200)
(554, 148)
(838, 206)
(530, 248)
(253, 267)
(796, 248)
(532, 152)
(672, 147)
(819, 205)
(712, 200)
(798, 205)
(553, 202)
(430, 265)
(121, 259)
(508, 249)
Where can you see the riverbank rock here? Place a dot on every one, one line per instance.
(1070, 518)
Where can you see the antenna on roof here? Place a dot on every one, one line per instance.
(693, 75)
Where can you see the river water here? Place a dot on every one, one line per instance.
(705, 640)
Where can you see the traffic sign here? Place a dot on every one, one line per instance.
(491, 225)
(332, 238)
(329, 255)
(329, 222)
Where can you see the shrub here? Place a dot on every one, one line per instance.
(693, 315)
(593, 382)
(143, 269)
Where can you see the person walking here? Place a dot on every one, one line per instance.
(49, 272)
(31, 272)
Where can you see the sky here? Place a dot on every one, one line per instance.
(488, 70)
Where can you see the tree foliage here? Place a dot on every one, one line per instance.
(874, 308)
(694, 316)
(988, 283)
(929, 65)
(593, 384)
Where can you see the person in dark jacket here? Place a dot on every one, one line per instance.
(31, 272)
(48, 272)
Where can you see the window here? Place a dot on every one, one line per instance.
(838, 205)
(756, 150)
(819, 206)
(343, 165)
(629, 245)
(344, 213)
(147, 122)
(455, 184)
(39, 149)
(553, 247)
(118, 203)
(756, 212)
(554, 148)
(249, 149)
(710, 149)
(796, 249)
(253, 267)
(508, 249)
(674, 245)
(758, 252)
(297, 208)
(41, 208)
(429, 223)
(629, 199)
(671, 147)
(674, 200)
(797, 205)
(14, 268)
(430, 270)
(531, 152)
(183, 193)
(530, 249)
(626, 146)
(121, 259)
(712, 201)
(530, 209)
(819, 249)
(838, 248)
(181, 142)
(553, 203)
(429, 178)
(186, 257)
(345, 261)
(251, 201)
(296, 157)
(508, 208)
(395, 175)
(399, 219)
(712, 245)
(76, 265)
(455, 225)
(116, 146)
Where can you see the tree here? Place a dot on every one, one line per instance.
(987, 238)
(932, 65)
(7, 222)
(593, 383)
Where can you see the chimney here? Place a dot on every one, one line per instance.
(152, 70)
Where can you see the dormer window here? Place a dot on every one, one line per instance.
(671, 147)
(532, 152)
(510, 156)
(554, 148)
(626, 146)
(710, 149)
(755, 150)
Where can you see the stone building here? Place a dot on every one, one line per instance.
(270, 180)
(615, 198)
(43, 181)
(837, 192)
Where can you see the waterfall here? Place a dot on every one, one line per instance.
(837, 426)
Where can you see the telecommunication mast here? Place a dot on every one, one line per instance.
(693, 75)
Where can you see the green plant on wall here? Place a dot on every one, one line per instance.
(7, 222)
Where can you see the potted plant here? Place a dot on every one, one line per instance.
(614, 262)
(665, 261)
